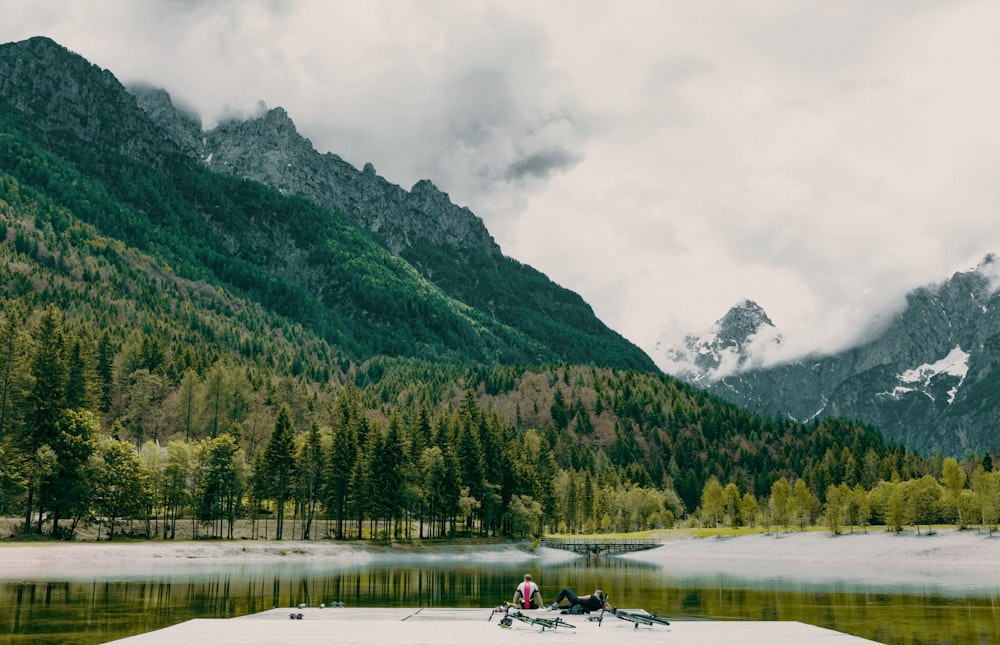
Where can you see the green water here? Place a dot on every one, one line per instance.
(79, 612)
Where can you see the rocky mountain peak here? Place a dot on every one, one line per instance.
(929, 380)
(269, 149)
(183, 126)
(69, 103)
(727, 347)
(742, 321)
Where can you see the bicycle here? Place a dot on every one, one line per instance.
(510, 616)
(634, 617)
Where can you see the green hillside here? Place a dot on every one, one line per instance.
(288, 254)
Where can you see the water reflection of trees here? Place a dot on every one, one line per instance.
(98, 611)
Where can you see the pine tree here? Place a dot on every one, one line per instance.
(279, 460)
(45, 400)
(81, 377)
(433, 485)
(339, 466)
(12, 357)
(452, 492)
(105, 369)
(309, 475)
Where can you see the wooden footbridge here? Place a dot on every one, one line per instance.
(612, 546)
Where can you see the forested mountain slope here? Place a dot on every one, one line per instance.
(293, 256)
(289, 255)
(447, 244)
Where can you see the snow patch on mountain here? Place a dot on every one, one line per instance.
(954, 366)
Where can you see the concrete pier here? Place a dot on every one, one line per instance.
(441, 626)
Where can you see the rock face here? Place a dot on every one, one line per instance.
(39, 77)
(930, 381)
(269, 149)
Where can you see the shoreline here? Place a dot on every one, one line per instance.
(948, 558)
(87, 559)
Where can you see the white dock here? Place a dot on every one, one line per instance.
(440, 626)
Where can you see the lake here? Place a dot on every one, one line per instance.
(107, 607)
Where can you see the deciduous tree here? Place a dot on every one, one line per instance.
(953, 480)
(713, 501)
(120, 484)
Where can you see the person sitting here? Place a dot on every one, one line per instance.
(581, 604)
(527, 595)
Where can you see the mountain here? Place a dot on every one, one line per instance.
(727, 347)
(930, 381)
(154, 189)
(183, 303)
(447, 244)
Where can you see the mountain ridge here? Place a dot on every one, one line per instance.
(447, 244)
(927, 381)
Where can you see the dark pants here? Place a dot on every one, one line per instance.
(590, 604)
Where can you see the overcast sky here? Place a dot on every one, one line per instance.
(663, 159)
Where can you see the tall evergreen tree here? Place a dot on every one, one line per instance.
(279, 460)
(452, 492)
(373, 497)
(105, 369)
(433, 485)
(309, 476)
(360, 499)
(339, 466)
(391, 474)
(587, 496)
(45, 399)
(470, 450)
(12, 368)
(81, 376)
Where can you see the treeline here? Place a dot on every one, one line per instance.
(110, 427)
(91, 432)
(947, 495)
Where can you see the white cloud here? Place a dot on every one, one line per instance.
(664, 159)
